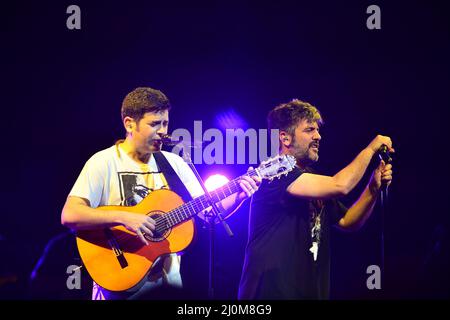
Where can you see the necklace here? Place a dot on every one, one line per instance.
(316, 226)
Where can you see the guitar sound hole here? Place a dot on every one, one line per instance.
(161, 231)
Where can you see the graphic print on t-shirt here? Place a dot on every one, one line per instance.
(135, 186)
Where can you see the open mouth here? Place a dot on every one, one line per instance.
(156, 142)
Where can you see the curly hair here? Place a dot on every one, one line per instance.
(286, 116)
(142, 100)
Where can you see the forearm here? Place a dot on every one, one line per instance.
(227, 206)
(80, 217)
(349, 177)
(231, 204)
(360, 211)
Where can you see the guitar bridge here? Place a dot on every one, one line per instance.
(116, 248)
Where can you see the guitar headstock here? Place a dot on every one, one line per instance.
(276, 166)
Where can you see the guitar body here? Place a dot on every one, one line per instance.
(116, 258)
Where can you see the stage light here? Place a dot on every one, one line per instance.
(230, 119)
(215, 181)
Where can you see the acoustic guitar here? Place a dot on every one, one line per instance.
(116, 258)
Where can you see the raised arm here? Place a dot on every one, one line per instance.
(315, 186)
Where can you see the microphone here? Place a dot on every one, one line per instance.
(384, 154)
(168, 140)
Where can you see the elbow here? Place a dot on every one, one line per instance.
(73, 213)
(346, 226)
(342, 190)
(341, 186)
(67, 219)
(64, 219)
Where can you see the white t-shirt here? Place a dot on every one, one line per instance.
(111, 177)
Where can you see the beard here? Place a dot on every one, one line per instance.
(305, 154)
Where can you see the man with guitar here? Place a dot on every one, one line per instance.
(103, 205)
(287, 254)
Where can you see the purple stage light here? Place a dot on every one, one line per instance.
(215, 181)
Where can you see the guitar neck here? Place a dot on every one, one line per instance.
(192, 208)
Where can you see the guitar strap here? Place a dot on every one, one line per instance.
(172, 178)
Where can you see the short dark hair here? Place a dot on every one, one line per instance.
(287, 115)
(142, 100)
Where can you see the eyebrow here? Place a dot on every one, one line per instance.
(159, 121)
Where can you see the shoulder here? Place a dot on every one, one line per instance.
(102, 157)
(279, 185)
(286, 180)
(104, 154)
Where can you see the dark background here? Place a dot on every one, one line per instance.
(62, 90)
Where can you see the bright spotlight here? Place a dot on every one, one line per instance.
(215, 181)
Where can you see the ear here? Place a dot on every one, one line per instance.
(129, 124)
(285, 139)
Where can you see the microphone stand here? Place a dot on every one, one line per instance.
(383, 155)
(211, 218)
(383, 212)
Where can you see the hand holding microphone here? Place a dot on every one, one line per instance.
(382, 145)
(384, 154)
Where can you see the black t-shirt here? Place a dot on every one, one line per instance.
(278, 261)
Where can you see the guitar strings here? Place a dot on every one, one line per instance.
(179, 214)
(171, 218)
(196, 204)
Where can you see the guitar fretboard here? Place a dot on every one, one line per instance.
(192, 208)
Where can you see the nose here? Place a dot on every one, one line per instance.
(162, 130)
(317, 136)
